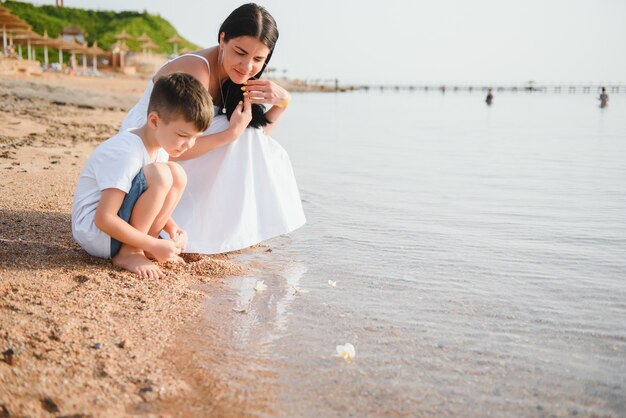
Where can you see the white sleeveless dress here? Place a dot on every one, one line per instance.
(237, 195)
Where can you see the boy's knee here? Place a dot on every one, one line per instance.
(158, 175)
(178, 175)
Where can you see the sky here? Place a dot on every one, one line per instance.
(404, 41)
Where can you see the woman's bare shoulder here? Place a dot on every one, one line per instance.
(188, 64)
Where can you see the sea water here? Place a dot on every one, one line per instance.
(479, 255)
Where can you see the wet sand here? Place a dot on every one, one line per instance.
(78, 336)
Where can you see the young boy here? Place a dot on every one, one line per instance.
(128, 190)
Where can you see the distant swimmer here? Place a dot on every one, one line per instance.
(604, 98)
(489, 98)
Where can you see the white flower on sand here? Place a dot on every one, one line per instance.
(333, 284)
(346, 351)
(260, 286)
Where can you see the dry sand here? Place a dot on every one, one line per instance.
(79, 337)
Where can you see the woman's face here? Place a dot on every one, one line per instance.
(243, 57)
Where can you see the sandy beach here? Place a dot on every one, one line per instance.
(78, 336)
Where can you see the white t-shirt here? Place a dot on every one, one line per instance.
(113, 164)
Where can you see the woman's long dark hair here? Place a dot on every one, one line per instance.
(248, 20)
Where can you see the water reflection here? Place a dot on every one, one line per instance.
(227, 358)
(264, 313)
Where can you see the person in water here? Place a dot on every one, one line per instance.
(604, 98)
(489, 99)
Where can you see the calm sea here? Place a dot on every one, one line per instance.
(479, 255)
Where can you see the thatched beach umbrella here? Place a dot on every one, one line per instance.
(123, 37)
(7, 17)
(40, 41)
(84, 51)
(18, 40)
(19, 37)
(45, 42)
(11, 24)
(95, 52)
(4, 12)
(76, 48)
(145, 39)
(28, 39)
(62, 45)
(175, 41)
(118, 49)
(150, 46)
(10, 20)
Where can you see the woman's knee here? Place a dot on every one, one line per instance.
(158, 175)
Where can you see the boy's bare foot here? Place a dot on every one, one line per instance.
(136, 262)
(177, 259)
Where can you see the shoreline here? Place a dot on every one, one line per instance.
(77, 335)
(131, 84)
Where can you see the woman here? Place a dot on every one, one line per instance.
(241, 189)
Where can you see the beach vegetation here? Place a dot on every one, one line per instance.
(99, 25)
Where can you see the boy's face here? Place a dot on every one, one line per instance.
(175, 137)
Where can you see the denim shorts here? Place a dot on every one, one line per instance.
(138, 186)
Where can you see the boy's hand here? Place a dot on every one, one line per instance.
(180, 238)
(164, 250)
(177, 234)
(241, 117)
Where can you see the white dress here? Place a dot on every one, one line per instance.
(237, 195)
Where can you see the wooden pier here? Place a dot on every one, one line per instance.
(555, 88)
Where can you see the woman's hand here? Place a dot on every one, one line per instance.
(241, 117)
(264, 91)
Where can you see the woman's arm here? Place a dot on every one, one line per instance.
(239, 120)
(273, 115)
(189, 65)
(208, 143)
